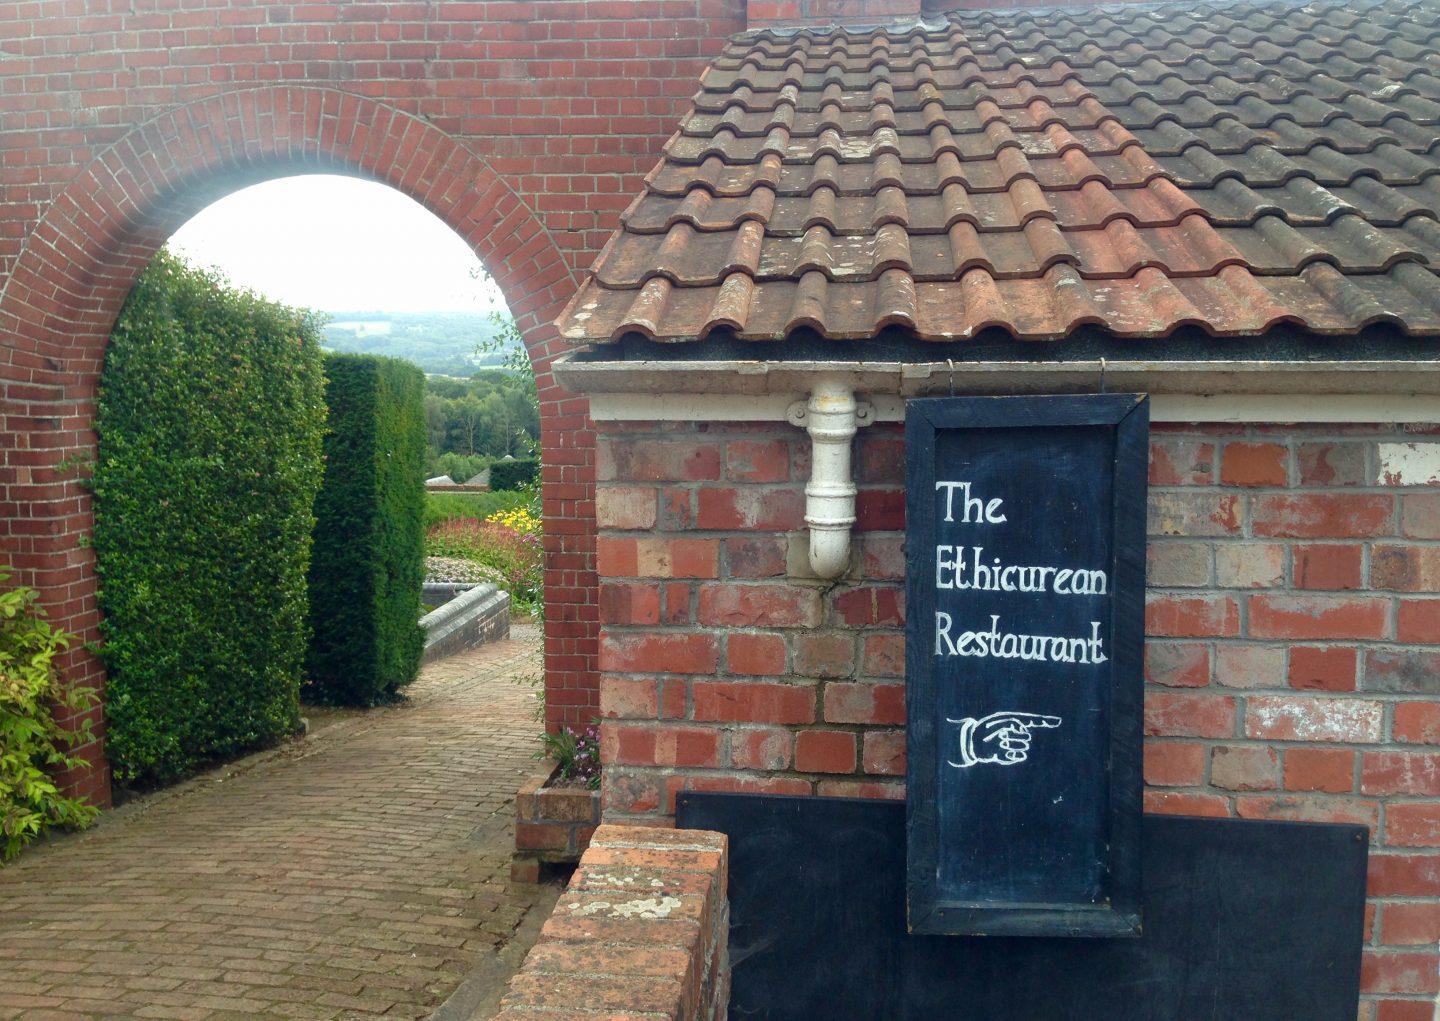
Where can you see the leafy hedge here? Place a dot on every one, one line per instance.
(368, 563)
(513, 474)
(210, 415)
(32, 745)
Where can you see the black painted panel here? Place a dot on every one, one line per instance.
(1025, 586)
(1244, 921)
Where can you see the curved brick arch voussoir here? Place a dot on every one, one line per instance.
(95, 239)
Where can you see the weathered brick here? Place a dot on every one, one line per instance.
(1174, 764)
(625, 507)
(1328, 567)
(1405, 568)
(1411, 773)
(1170, 714)
(1318, 617)
(1407, 671)
(1403, 874)
(1254, 464)
(753, 702)
(754, 556)
(659, 653)
(1191, 616)
(825, 751)
(1420, 516)
(622, 603)
(648, 460)
(883, 753)
(864, 703)
(668, 745)
(766, 605)
(1411, 925)
(1331, 464)
(767, 749)
(1322, 669)
(1419, 621)
(750, 509)
(629, 698)
(1249, 564)
(1244, 768)
(1249, 666)
(1194, 515)
(757, 461)
(882, 655)
(1384, 971)
(1319, 769)
(1177, 564)
(1179, 461)
(755, 654)
(1181, 803)
(883, 557)
(677, 558)
(1309, 808)
(1177, 664)
(1311, 718)
(1417, 723)
(823, 655)
(1323, 515)
(870, 607)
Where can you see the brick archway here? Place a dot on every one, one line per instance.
(71, 278)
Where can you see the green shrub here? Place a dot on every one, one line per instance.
(32, 745)
(368, 564)
(516, 474)
(449, 506)
(209, 414)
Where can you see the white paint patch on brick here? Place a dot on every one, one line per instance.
(1408, 464)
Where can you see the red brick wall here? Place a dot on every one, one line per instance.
(1293, 663)
(642, 930)
(525, 126)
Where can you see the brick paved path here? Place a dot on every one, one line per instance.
(362, 872)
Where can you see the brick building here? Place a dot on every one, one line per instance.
(1232, 209)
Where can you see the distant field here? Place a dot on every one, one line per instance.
(444, 506)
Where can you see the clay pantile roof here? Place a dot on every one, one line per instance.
(1232, 167)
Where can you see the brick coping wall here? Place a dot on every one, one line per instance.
(1293, 650)
(641, 931)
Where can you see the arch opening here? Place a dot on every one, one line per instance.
(68, 284)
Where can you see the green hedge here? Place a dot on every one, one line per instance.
(513, 474)
(210, 415)
(368, 564)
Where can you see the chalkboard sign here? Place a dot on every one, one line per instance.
(1026, 574)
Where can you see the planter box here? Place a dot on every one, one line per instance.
(553, 825)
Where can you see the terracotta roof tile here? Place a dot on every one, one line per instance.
(1230, 166)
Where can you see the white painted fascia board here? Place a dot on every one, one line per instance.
(1370, 391)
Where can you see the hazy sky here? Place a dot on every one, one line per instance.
(337, 244)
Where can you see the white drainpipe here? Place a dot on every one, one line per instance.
(831, 417)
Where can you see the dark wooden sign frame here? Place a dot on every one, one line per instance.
(989, 851)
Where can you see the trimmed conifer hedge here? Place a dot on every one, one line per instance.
(513, 474)
(368, 563)
(209, 415)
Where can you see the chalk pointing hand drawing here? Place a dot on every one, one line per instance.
(1000, 738)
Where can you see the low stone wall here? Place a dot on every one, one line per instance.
(473, 618)
(438, 593)
(642, 931)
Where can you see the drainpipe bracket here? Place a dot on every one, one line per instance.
(798, 413)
